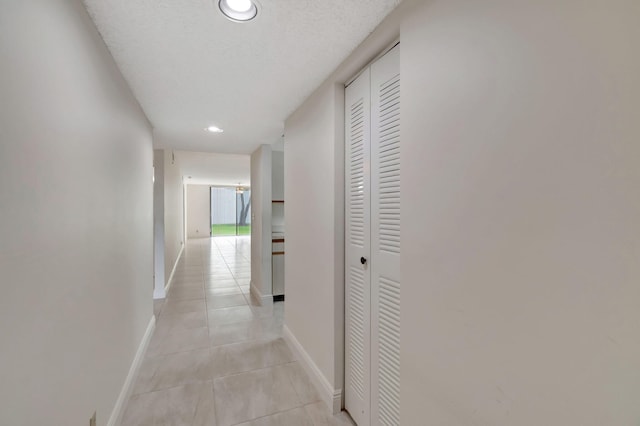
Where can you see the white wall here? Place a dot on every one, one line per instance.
(158, 226)
(261, 223)
(76, 236)
(520, 170)
(198, 211)
(520, 212)
(173, 212)
(168, 214)
(277, 175)
(210, 168)
(314, 211)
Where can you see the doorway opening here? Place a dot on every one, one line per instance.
(230, 211)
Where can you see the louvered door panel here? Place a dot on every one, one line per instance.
(388, 343)
(358, 236)
(356, 177)
(385, 239)
(358, 321)
(388, 171)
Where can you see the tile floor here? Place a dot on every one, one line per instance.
(216, 358)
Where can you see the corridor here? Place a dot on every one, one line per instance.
(218, 359)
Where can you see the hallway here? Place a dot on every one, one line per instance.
(215, 357)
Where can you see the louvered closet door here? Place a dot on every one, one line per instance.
(358, 247)
(372, 109)
(385, 239)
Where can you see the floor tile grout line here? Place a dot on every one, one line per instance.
(173, 387)
(277, 412)
(253, 370)
(253, 340)
(178, 352)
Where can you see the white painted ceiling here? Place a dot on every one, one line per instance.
(207, 168)
(189, 67)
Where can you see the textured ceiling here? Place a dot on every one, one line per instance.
(190, 67)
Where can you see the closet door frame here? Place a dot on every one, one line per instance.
(379, 246)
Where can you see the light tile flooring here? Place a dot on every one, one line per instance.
(216, 358)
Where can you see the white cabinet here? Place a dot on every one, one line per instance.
(277, 259)
(372, 273)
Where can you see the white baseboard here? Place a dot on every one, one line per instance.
(331, 397)
(256, 295)
(127, 387)
(173, 271)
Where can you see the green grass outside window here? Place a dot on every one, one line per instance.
(230, 229)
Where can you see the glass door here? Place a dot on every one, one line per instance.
(243, 211)
(230, 211)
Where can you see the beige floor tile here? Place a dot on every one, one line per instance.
(187, 276)
(240, 267)
(221, 281)
(295, 417)
(226, 301)
(218, 277)
(248, 396)
(217, 268)
(209, 292)
(183, 306)
(191, 404)
(251, 355)
(181, 321)
(172, 340)
(270, 328)
(186, 293)
(236, 332)
(256, 329)
(166, 371)
(189, 269)
(190, 261)
(229, 315)
(266, 311)
(242, 276)
(321, 416)
(301, 382)
(216, 265)
(220, 284)
(196, 283)
(243, 281)
(216, 271)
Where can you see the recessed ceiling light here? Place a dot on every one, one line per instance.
(214, 129)
(238, 10)
(240, 5)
